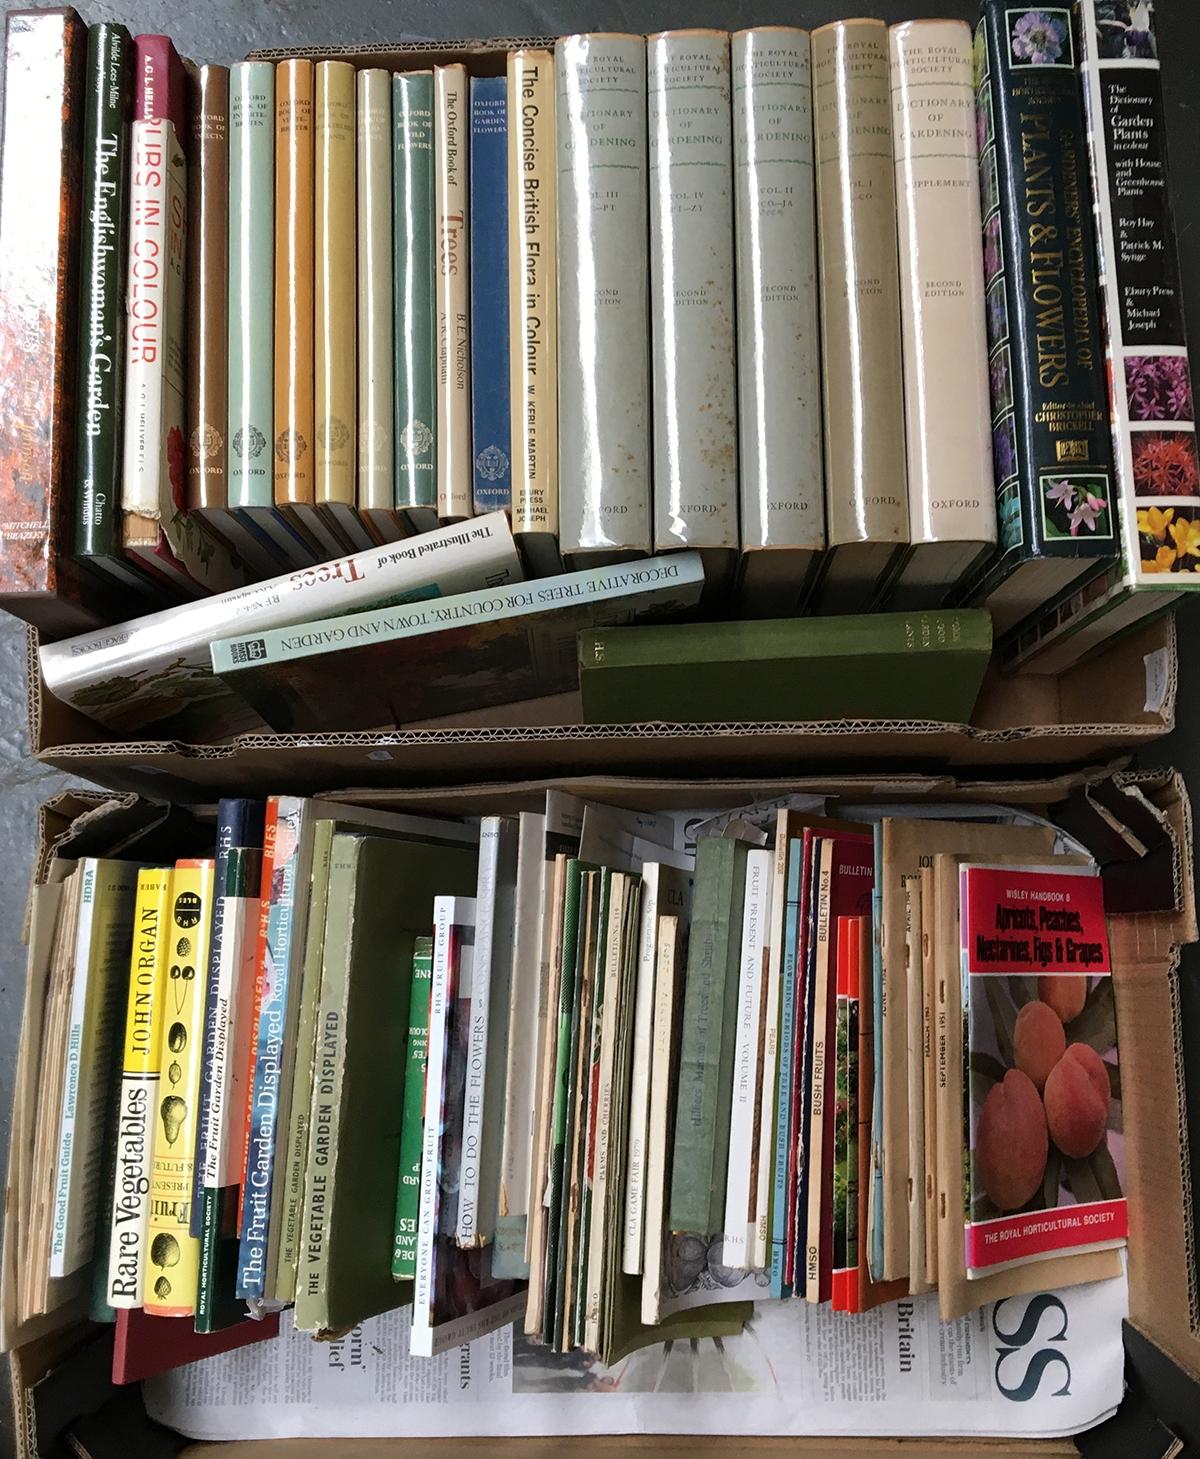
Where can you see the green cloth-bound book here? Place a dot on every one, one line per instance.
(701, 1154)
(870, 666)
(412, 1128)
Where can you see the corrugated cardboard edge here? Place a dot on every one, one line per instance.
(589, 1446)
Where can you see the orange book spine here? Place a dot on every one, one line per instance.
(260, 978)
(294, 221)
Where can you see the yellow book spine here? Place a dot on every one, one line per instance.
(173, 1269)
(335, 304)
(294, 282)
(140, 1066)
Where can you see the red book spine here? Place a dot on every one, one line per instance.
(270, 828)
(45, 55)
(161, 84)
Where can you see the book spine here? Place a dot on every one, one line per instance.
(261, 971)
(452, 212)
(693, 359)
(414, 292)
(376, 488)
(866, 497)
(65, 1176)
(441, 1005)
(221, 1173)
(172, 1274)
(1149, 373)
(212, 973)
(138, 1098)
(293, 474)
(639, 1089)
(790, 996)
(815, 1254)
(603, 298)
(693, 1191)
(207, 275)
(468, 1230)
(103, 260)
(45, 59)
(259, 1172)
(533, 301)
(312, 1296)
(740, 1188)
(408, 1182)
(251, 282)
(334, 284)
(946, 402)
(766, 1104)
(154, 448)
(778, 347)
(491, 434)
(1051, 450)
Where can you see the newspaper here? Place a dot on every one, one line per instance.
(1046, 1365)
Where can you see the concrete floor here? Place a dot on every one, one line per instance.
(225, 30)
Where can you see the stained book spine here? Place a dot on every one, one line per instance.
(779, 361)
(533, 301)
(251, 282)
(375, 408)
(603, 301)
(866, 494)
(293, 441)
(101, 360)
(414, 294)
(45, 57)
(694, 368)
(208, 205)
(491, 435)
(334, 301)
(1051, 449)
(1149, 375)
(452, 211)
(946, 401)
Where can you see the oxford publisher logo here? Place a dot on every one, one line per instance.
(249, 441)
(416, 438)
(491, 463)
(1039, 37)
(289, 447)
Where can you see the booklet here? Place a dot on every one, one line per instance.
(1043, 1099)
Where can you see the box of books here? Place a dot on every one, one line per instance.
(467, 1050)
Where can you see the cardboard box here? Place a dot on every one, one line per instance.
(1139, 827)
(1092, 713)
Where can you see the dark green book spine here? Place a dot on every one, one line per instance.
(102, 263)
(408, 1179)
(413, 292)
(701, 1155)
(1050, 421)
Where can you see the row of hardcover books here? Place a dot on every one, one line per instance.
(612, 1074)
(683, 292)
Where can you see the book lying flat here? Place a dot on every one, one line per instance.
(423, 660)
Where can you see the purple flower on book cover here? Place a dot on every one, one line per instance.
(1062, 494)
(1038, 38)
(1159, 387)
(992, 263)
(1125, 30)
(1004, 449)
(997, 314)
(1089, 511)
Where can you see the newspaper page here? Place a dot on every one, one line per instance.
(1045, 1365)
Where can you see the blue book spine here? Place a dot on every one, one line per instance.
(780, 1287)
(491, 418)
(875, 1248)
(239, 822)
(264, 1107)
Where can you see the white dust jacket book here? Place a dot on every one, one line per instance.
(693, 337)
(947, 401)
(603, 299)
(778, 320)
(866, 494)
(451, 205)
